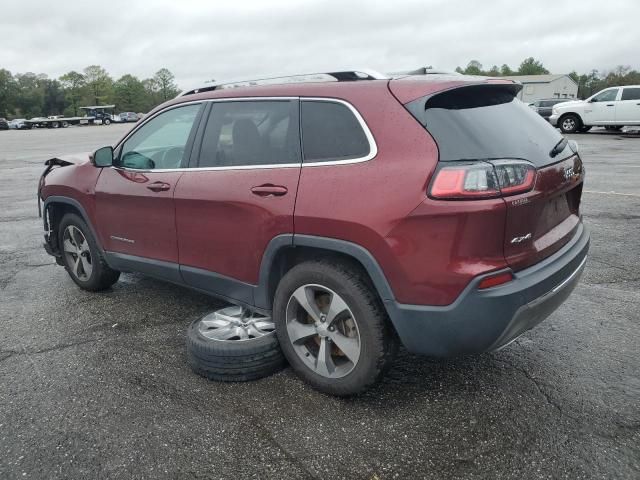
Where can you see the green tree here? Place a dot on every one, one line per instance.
(493, 71)
(8, 92)
(165, 84)
(99, 85)
(54, 102)
(474, 68)
(531, 66)
(505, 70)
(74, 86)
(30, 96)
(151, 96)
(129, 94)
(593, 83)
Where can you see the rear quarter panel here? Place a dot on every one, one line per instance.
(428, 250)
(366, 202)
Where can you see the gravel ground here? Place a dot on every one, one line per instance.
(97, 385)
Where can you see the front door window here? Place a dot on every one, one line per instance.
(160, 143)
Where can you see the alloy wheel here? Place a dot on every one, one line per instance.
(568, 124)
(235, 323)
(323, 331)
(77, 252)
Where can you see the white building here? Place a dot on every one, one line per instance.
(538, 87)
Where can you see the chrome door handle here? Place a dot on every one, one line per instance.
(159, 187)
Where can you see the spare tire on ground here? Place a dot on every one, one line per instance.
(234, 344)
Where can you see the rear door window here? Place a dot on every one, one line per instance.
(251, 133)
(331, 132)
(631, 93)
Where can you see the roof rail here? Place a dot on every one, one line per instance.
(336, 76)
(429, 70)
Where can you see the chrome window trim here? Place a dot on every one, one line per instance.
(373, 147)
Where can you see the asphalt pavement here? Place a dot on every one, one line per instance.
(97, 385)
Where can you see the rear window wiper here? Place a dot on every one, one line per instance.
(559, 147)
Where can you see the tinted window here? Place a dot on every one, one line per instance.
(486, 122)
(631, 94)
(160, 143)
(251, 133)
(606, 96)
(330, 131)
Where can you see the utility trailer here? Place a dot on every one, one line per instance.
(59, 121)
(93, 113)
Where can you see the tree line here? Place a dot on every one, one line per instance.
(31, 95)
(588, 83)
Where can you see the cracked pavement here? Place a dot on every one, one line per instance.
(97, 385)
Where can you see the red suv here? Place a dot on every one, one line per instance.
(346, 212)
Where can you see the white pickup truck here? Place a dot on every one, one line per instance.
(613, 108)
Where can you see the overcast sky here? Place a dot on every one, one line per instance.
(200, 40)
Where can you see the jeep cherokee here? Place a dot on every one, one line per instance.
(341, 215)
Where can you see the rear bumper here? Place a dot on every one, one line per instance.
(486, 320)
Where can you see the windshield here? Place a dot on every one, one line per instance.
(487, 122)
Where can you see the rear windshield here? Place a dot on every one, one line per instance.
(486, 122)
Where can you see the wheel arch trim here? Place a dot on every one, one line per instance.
(350, 249)
(56, 199)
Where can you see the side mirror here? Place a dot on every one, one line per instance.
(103, 157)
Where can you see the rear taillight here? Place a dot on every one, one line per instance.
(514, 176)
(483, 180)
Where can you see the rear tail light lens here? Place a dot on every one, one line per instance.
(514, 176)
(483, 180)
(465, 181)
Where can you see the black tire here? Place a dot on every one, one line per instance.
(106, 121)
(233, 361)
(102, 276)
(378, 340)
(570, 123)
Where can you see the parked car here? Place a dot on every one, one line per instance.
(613, 107)
(19, 124)
(543, 107)
(4, 125)
(346, 216)
(129, 117)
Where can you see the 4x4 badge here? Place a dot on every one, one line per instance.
(521, 239)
